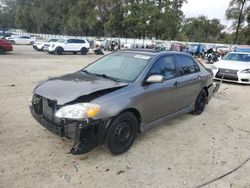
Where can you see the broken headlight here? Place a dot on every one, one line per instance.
(246, 71)
(78, 111)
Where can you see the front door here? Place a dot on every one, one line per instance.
(161, 98)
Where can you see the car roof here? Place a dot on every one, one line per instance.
(152, 52)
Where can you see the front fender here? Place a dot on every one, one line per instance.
(114, 103)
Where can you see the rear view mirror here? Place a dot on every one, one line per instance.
(155, 79)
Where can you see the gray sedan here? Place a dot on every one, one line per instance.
(120, 95)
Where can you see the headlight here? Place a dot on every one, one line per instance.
(78, 111)
(214, 67)
(246, 71)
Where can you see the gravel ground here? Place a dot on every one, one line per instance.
(185, 152)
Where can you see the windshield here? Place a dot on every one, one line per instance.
(237, 57)
(122, 66)
(61, 40)
(51, 40)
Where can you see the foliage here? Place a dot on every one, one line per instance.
(237, 11)
(202, 29)
(160, 19)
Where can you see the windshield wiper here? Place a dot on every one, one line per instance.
(109, 77)
(102, 75)
(87, 72)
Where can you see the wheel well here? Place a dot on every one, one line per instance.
(59, 47)
(136, 113)
(206, 89)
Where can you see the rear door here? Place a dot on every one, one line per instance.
(189, 83)
(70, 46)
(160, 98)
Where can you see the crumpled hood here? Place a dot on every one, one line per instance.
(69, 87)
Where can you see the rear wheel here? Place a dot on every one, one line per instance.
(84, 51)
(122, 133)
(2, 51)
(32, 42)
(12, 42)
(200, 102)
(74, 53)
(59, 51)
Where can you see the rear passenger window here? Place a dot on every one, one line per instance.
(165, 66)
(186, 64)
(70, 41)
(81, 41)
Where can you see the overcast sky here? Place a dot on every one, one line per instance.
(210, 8)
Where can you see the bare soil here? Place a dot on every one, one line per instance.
(185, 152)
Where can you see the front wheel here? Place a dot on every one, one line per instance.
(200, 102)
(59, 51)
(122, 133)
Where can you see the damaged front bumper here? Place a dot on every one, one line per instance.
(86, 134)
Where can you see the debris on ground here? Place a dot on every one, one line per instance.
(120, 172)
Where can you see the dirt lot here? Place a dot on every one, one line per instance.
(185, 152)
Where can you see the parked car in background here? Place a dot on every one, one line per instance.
(22, 40)
(4, 32)
(178, 47)
(129, 45)
(234, 67)
(159, 45)
(5, 46)
(39, 45)
(119, 95)
(69, 45)
(197, 50)
(242, 49)
(99, 43)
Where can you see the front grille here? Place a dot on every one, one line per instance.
(45, 107)
(227, 74)
(228, 71)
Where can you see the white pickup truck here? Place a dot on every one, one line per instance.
(69, 45)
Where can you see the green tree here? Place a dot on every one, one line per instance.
(202, 29)
(237, 11)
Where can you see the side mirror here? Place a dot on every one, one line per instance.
(155, 79)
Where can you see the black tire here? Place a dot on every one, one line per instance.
(32, 42)
(12, 42)
(200, 102)
(122, 133)
(59, 51)
(84, 51)
(74, 53)
(2, 51)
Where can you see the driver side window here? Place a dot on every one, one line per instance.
(165, 66)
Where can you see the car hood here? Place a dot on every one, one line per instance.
(234, 65)
(69, 87)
